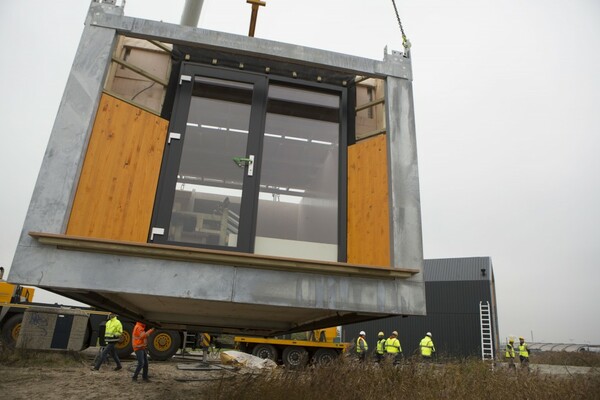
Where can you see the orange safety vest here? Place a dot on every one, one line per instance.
(140, 337)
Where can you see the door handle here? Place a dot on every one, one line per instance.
(243, 161)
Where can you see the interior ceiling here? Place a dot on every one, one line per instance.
(259, 65)
(217, 317)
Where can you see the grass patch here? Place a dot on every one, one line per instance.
(28, 358)
(470, 379)
(580, 359)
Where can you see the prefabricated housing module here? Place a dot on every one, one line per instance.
(202, 179)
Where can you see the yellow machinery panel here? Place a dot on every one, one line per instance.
(7, 291)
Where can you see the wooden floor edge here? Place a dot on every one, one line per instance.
(222, 257)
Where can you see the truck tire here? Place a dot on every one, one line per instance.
(11, 329)
(265, 351)
(162, 345)
(324, 356)
(125, 347)
(295, 357)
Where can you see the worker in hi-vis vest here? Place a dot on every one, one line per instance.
(427, 347)
(509, 353)
(523, 353)
(112, 335)
(362, 346)
(393, 350)
(380, 349)
(140, 344)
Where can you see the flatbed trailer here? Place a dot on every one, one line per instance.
(292, 353)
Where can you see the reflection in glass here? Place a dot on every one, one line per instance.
(298, 199)
(208, 191)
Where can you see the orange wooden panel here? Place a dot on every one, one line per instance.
(118, 181)
(368, 204)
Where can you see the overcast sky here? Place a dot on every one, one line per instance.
(507, 108)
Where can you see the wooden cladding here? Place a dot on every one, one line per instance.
(368, 204)
(116, 190)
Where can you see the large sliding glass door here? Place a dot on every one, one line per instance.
(298, 198)
(208, 192)
(253, 165)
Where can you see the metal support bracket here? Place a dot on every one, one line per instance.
(173, 135)
(187, 78)
(156, 231)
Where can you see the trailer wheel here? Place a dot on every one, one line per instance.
(324, 356)
(125, 347)
(295, 357)
(11, 329)
(162, 345)
(265, 351)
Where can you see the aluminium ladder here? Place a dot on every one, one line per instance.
(485, 318)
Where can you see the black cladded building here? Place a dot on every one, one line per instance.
(454, 288)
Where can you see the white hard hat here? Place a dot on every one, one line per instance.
(395, 333)
(362, 333)
(429, 334)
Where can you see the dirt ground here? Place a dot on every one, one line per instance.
(78, 381)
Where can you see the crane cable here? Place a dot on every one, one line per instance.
(405, 41)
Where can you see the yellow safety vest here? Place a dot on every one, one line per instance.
(114, 329)
(510, 351)
(426, 346)
(358, 349)
(523, 350)
(392, 345)
(381, 346)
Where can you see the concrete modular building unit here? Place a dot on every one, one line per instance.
(229, 185)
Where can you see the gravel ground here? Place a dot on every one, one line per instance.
(78, 381)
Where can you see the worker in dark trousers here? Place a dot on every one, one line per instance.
(523, 353)
(112, 335)
(380, 348)
(362, 346)
(140, 343)
(509, 353)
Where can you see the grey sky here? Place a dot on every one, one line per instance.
(507, 103)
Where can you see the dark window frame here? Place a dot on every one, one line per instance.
(161, 216)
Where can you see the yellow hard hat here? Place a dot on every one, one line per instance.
(521, 338)
(381, 334)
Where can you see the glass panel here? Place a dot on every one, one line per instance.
(208, 192)
(298, 198)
